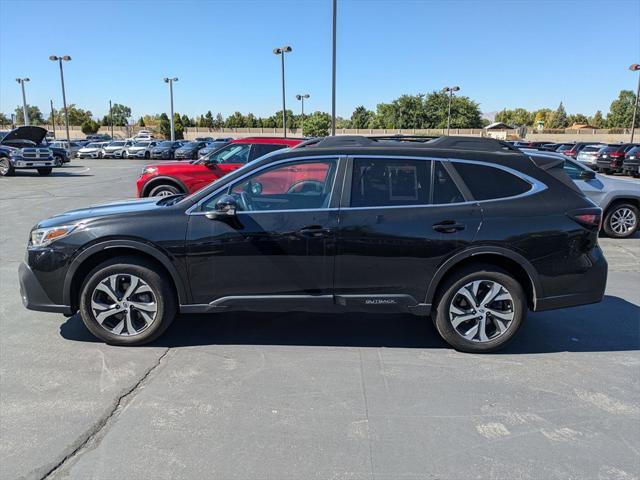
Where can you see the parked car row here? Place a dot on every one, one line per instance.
(141, 148)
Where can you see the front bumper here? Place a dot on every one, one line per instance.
(116, 154)
(165, 155)
(138, 154)
(33, 295)
(19, 162)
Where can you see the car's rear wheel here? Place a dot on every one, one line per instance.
(127, 301)
(147, 155)
(480, 308)
(45, 170)
(621, 220)
(164, 190)
(57, 160)
(6, 169)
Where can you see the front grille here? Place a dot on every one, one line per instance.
(36, 153)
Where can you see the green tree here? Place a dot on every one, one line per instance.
(361, 117)
(121, 114)
(515, 118)
(77, 116)
(178, 126)
(207, 120)
(4, 120)
(290, 117)
(317, 124)
(141, 122)
(250, 120)
(384, 116)
(465, 113)
(340, 122)
(35, 115)
(164, 125)
(186, 121)
(218, 122)
(577, 118)
(90, 127)
(621, 111)
(559, 118)
(597, 120)
(236, 120)
(543, 115)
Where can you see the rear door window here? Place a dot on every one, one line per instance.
(487, 183)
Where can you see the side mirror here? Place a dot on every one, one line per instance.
(226, 206)
(587, 175)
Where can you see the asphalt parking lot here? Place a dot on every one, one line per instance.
(300, 396)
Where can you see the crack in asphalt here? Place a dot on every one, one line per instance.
(91, 439)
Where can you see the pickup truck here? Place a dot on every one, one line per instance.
(22, 148)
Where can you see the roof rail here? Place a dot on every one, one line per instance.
(450, 143)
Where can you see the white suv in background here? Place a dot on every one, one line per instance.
(140, 149)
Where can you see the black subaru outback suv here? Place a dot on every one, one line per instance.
(469, 231)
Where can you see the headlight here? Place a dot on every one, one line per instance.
(41, 237)
(149, 171)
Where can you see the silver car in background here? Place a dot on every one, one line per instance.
(116, 148)
(589, 155)
(618, 198)
(140, 149)
(91, 150)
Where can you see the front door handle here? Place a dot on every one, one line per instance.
(448, 226)
(314, 231)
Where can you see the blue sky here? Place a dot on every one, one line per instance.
(502, 53)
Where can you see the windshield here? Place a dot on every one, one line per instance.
(189, 144)
(116, 144)
(93, 145)
(166, 144)
(141, 144)
(592, 149)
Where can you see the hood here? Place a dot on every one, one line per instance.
(619, 185)
(35, 134)
(102, 210)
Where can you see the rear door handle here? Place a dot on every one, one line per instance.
(448, 226)
(315, 231)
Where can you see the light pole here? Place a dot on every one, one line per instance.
(301, 98)
(333, 71)
(281, 52)
(634, 68)
(58, 59)
(450, 90)
(170, 82)
(53, 120)
(25, 111)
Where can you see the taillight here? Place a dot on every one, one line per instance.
(570, 152)
(617, 154)
(587, 217)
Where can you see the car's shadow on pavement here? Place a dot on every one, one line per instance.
(613, 325)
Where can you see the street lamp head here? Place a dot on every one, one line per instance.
(455, 89)
(22, 80)
(66, 58)
(53, 58)
(298, 97)
(287, 49)
(634, 67)
(277, 51)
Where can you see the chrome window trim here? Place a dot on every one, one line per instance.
(536, 185)
(197, 205)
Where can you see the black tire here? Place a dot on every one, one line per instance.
(58, 160)
(620, 211)
(45, 170)
(449, 292)
(164, 189)
(6, 169)
(147, 155)
(156, 280)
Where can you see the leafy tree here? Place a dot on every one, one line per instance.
(4, 120)
(516, 118)
(120, 113)
(543, 115)
(186, 121)
(465, 113)
(141, 122)
(621, 111)
(559, 118)
(164, 125)
(236, 120)
(597, 120)
(268, 122)
(340, 122)
(35, 115)
(250, 120)
(290, 117)
(218, 122)
(361, 117)
(178, 126)
(90, 127)
(317, 124)
(77, 116)
(207, 120)
(577, 118)
(384, 117)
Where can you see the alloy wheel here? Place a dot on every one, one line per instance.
(481, 311)
(623, 220)
(124, 304)
(4, 166)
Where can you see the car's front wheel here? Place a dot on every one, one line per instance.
(621, 220)
(6, 169)
(164, 190)
(480, 309)
(127, 301)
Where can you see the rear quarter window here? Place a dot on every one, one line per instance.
(487, 183)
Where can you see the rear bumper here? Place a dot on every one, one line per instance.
(33, 295)
(590, 288)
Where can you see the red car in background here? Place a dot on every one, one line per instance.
(169, 178)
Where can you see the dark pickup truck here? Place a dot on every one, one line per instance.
(22, 148)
